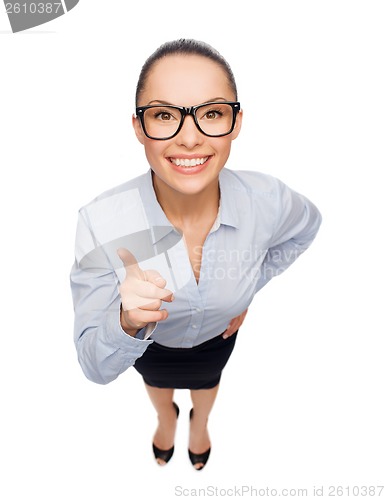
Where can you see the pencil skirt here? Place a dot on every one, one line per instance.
(198, 367)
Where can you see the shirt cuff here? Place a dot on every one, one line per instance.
(144, 333)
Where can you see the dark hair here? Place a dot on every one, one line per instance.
(184, 46)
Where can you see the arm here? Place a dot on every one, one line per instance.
(297, 224)
(104, 349)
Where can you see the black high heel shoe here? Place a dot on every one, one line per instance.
(198, 458)
(165, 455)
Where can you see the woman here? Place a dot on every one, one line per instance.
(189, 235)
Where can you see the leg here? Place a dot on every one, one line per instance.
(162, 400)
(203, 401)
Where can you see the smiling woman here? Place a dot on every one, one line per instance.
(191, 208)
(199, 130)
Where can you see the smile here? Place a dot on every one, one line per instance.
(185, 162)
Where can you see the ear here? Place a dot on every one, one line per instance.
(138, 129)
(237, 126)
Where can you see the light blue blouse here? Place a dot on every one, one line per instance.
(261, 228)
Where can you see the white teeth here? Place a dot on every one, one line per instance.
(184, 162)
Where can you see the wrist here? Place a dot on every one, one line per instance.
(125, 326)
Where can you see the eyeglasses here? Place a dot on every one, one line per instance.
(214, 119)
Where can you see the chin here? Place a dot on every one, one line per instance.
(189, 188)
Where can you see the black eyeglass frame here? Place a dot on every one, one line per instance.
(140, 110)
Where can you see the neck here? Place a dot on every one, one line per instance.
(183, 210)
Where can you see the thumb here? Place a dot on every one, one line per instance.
(131, 264)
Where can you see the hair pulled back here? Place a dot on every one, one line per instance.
(184, 46)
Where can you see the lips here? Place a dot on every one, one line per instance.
(189, 165)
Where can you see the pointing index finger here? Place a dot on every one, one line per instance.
(131, 264)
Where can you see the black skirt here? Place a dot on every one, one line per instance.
(197, 367)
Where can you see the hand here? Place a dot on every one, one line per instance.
(234, 324)
(142, 293)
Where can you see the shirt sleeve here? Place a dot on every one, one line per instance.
(297, 223)
(104, 349)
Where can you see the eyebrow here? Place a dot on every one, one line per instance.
(158, 101)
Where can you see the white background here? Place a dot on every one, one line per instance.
(301, 402)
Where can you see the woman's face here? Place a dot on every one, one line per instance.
(187, 81)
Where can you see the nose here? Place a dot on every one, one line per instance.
(189, 136)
